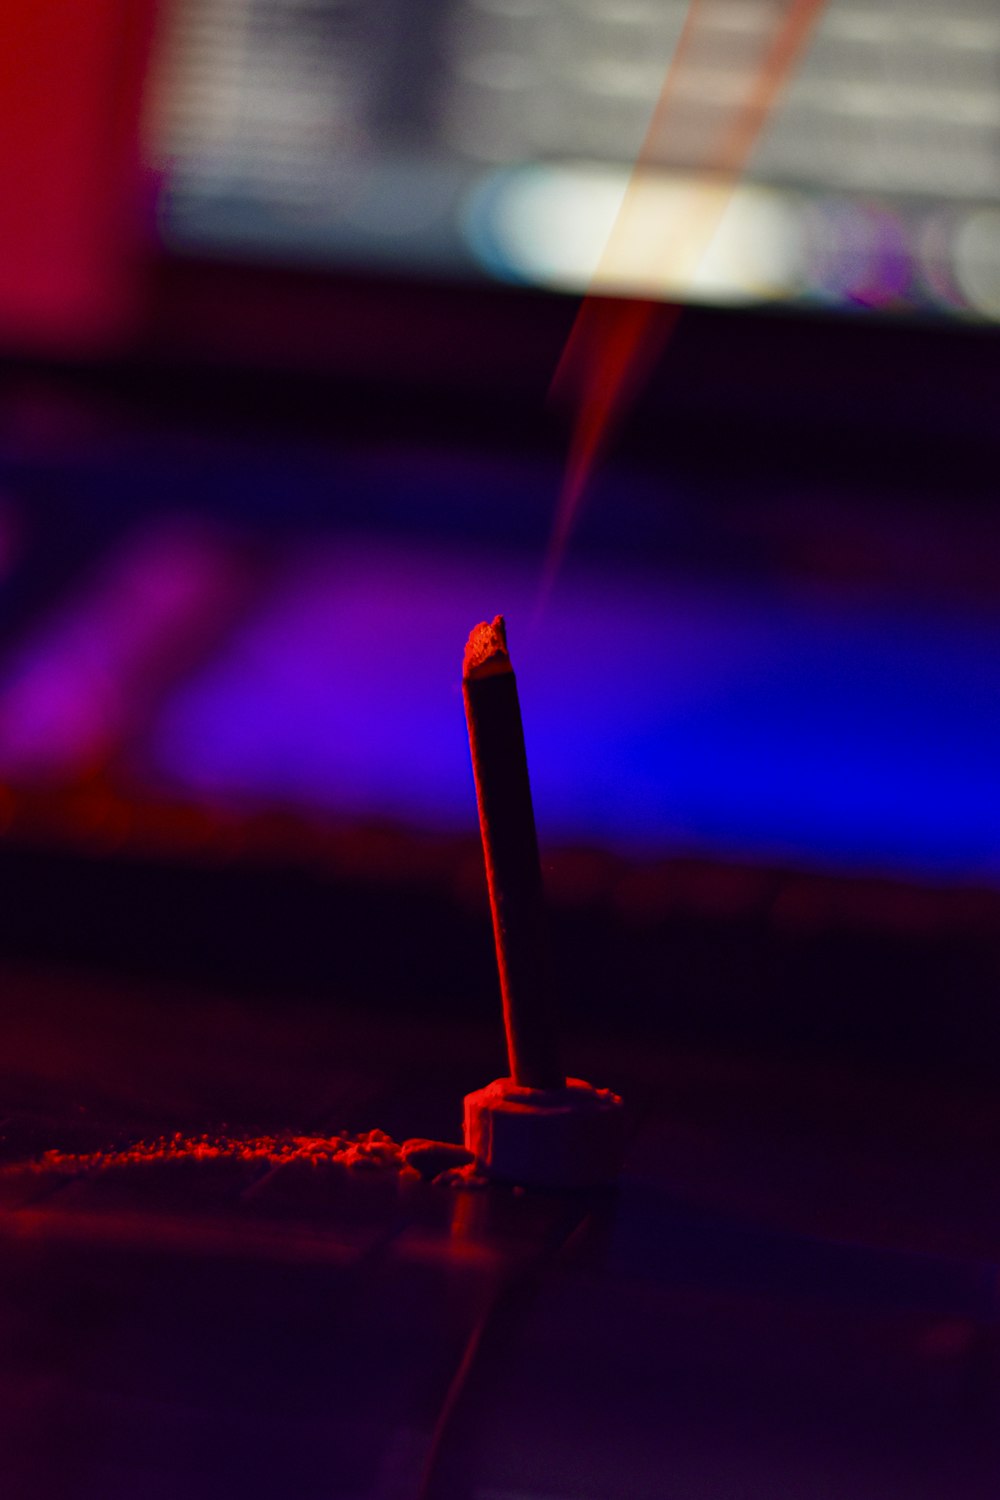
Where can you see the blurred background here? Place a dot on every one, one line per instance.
(283, 288)
(284, 284)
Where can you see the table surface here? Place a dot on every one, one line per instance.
(793, 1291)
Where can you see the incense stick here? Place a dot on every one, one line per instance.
(510, 850)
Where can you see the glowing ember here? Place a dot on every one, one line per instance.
(613, 343)
(486, 651)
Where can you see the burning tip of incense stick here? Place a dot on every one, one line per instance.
(486, 652)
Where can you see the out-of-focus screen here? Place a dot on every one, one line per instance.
(495, 139)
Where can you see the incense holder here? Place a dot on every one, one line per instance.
(569, 1137)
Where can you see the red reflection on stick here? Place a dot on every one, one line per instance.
(614, 343)
(510, 850)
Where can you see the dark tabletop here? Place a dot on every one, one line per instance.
(793, 1291)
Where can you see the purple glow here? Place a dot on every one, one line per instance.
(658, 715)
(860, 253)
(90, 674)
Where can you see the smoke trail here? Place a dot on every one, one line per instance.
(614, 342)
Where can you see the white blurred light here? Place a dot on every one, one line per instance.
(687, 236)
(976, 260)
